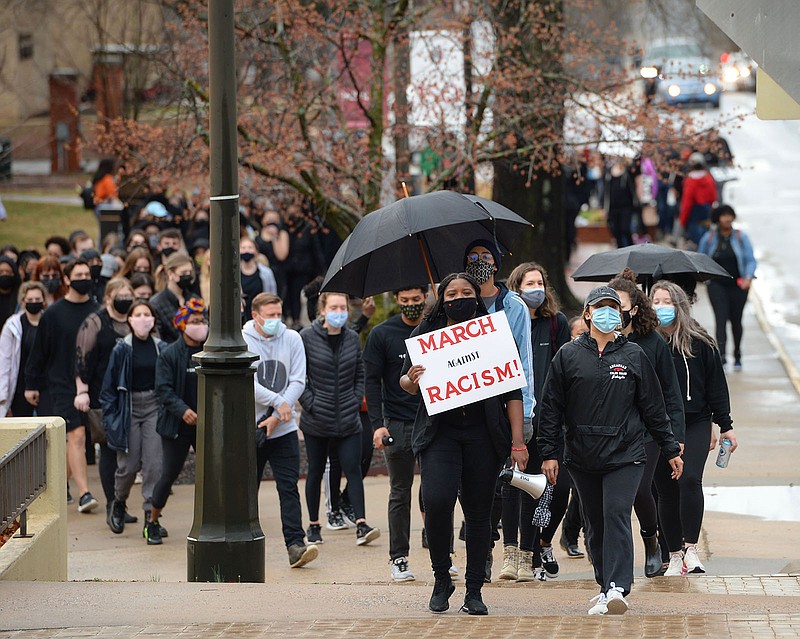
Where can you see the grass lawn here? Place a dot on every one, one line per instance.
(29, 223)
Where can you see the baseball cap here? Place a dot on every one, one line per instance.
(601, 293)
(156, 209)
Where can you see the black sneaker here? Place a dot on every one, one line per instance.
(314, 534)
(152, 533)
(131, 519)
(443, 588)
(300, 554)
(116, 518)
(87, 503)
(366, 534)
(347, 513)
(473, 603)
(70, 500)
(335, 521)
(549, 562)
(161, 530)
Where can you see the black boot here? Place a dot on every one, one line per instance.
(116, 519)
(653, 566)
(473, 604)
(443, 588)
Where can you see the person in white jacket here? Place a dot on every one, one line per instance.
(16, 341)
(279, 380)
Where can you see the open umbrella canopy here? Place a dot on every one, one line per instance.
(416, 240)
(650, 262)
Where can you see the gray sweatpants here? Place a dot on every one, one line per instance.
(144, 450)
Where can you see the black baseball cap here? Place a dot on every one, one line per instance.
(601, 293)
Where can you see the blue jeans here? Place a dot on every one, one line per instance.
(283, 455)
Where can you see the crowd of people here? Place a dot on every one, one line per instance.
(617, 411)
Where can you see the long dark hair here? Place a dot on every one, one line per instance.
(646, 320)
(107, 166)
(436, 317)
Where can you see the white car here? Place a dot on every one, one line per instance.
(680, 72)
(737, 71)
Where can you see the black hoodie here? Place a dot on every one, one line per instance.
(605, 403)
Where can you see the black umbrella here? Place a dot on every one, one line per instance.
(650, 262)
(416, 240)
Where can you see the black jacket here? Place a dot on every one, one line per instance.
(170, 380)
(658, 352)
(703, 386)
(604, 402)
(334, 384)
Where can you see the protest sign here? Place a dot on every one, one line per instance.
(467, 362)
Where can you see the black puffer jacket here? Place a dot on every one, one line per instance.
(605, 403)
(334, 384)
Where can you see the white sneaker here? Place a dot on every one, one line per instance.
(401, 571)
(453, 570)
(539, 574)
(615, 601)
(692, 561)
(675, 565)
(600, 606)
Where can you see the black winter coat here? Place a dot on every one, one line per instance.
(170, 382)
(604, 402)
(334, 384)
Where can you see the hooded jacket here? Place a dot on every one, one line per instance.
(742, 248)
(280, 372)
(605, 403)
(334, 384)
(10, 352)
(699, 189)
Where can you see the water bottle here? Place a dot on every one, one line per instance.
(724, 455)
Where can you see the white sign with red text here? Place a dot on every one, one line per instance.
(467, 362)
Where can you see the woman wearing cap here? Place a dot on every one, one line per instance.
(732, 250)
(176, 388)
(600, 396)
(461, 452)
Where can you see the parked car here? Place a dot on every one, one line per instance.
(679, 73)
(737, 71)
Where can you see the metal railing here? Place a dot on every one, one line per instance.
(23, 477)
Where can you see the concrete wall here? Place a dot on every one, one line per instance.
(42, 557)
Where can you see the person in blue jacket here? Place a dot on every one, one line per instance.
(732, 250)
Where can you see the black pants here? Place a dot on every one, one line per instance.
(728, 301)
(645, 505)
(607, 501)
(283, 455)
(619, 222)
(685, 495)
(334, 471)
(400, 462)
(107, 468)
(349, 453)
(174, 453)
(573, 522)
(465, 458)
(294, 286)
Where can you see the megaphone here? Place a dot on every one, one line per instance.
(534, 485)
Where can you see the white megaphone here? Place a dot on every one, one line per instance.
(534, 485)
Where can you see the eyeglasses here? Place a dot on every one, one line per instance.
(484, 257)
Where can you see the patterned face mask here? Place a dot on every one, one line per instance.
(412, 311)
(480, 270)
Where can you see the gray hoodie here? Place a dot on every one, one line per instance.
(280, 371)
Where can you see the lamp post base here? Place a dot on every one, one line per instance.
(226, 561)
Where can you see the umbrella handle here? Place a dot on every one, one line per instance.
(427, 266)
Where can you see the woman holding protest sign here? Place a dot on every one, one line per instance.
(599, 397)
(461, 449)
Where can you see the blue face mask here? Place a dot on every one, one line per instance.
(271, 325)
(336, 319)
(605, 319)
(533, 297)
(666, 314)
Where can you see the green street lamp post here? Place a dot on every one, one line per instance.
(226, 542)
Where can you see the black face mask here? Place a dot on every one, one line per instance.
(52, 284)
(461, 309)
(412, 311)
(168, 251)
(34, 308)
(627, 318)
(7, 281)
(82, 287)
(122, 306)
(246, 257)
(95, 271)
(185, 281)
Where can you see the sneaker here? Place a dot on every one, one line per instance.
(347, 514)
(132, 519)
(676, 567)
(443, 589)
(87, 503)
(161, 530)
(473, 603)
(539, 574)
(314, 534)
(300, 554)
(366, 534)
(737, 366)
(615, 601)
(600, 606)
(70, 500)
(152, 533)
(139, 478)
(692, 561)
(549, 562)
(510, 568)
(453, 569)
(525, 566)
(401, 571)
(336, 521)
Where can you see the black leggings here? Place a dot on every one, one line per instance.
(645, 504)
(107, 468)
(349, 453)
(728, 301)
(334, 472)
(175, 452)
(294, 286)
(686, 494)
(459, 458)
